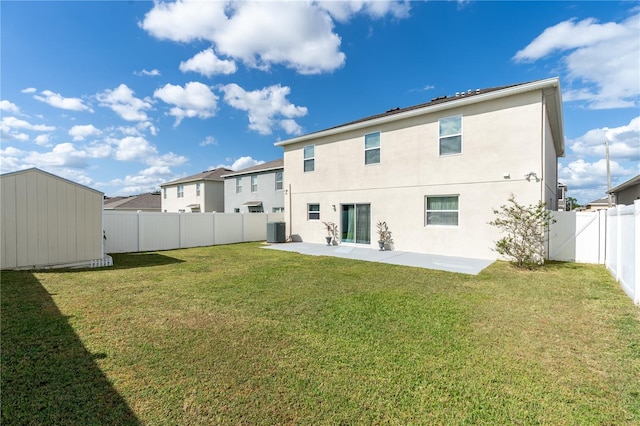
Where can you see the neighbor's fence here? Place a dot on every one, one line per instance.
(129, 232)
(608, 237)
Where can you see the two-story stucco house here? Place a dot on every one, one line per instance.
(433, 172)
(203, 192)
(257, 189)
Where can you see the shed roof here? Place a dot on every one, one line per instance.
(551, 86)
(37, 170)
(212, 175)
(264, 167)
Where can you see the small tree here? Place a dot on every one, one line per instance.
(526, 228)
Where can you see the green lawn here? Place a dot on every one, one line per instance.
(241, 335)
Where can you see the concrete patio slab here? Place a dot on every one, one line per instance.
(419, 260)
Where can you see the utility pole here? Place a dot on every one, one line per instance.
(606, 146)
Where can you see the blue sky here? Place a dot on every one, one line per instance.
(124, 95)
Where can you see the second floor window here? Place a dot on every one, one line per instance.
(372, 148)
(164, 193)
(180, 191)
(278, 181)
(238, 185)
(197, 189)
(450, 135)
(254, 183)
(309, 158)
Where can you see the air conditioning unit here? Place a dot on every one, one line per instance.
(276, 232)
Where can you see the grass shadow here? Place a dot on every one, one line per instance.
(141, 260)
(47, 375)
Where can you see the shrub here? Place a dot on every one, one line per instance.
(526, 228)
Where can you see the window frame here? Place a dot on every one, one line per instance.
(279, 181)
(309, 160)
(442, 137)
(254, 183)
(197, 189)
(427, 211)
(378, 148)
(239, 185)
(180, 191)
(313, 212)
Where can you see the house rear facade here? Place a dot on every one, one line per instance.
(256, 189)
(433, 172)
(203, 192)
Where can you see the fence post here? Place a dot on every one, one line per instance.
(636, 249)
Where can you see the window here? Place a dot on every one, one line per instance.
(441, 210)
(278, 181)
(309, 158)
(277, 210)
(372, 148)
(238, 185)
(236, 210)
(198, 189)
(313, 211)
(451, 135)
(356, 223)
(180, 191)
(164, 192)
(254, 183)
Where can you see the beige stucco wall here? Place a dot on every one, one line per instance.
(500, 137)
(48, 221)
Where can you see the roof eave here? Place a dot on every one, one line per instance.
(270, 169)
(462, 101)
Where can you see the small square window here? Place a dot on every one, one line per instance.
(372, 148)
(313, 211)
(309, 158)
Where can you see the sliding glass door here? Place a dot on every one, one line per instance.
(356, 223)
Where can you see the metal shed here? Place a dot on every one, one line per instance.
(48, 221)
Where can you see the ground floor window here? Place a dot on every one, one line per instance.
(313, 211)
(441, 210)
(277, 210)
(356, 223)
(255, 209)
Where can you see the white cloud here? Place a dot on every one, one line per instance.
(147, 180)
(624, 142)
(58, 101)
(42, 140)
(240, 163)
(153, 73)
(62, 155)
(602, 57)
(298, 35)
(587, 181)
(209, 140)
(13, 128)
(343, 11)
(165, 160)
(9, 107)
(265, 107)
(29, 90)
(193, 100)
(132, 148)
(208, 64)
(80, 133)
(123, 102)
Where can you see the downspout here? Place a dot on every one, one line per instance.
(290, 215)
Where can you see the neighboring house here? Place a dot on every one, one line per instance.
(627, 192)
(257, 189)
(562, 197)
(433, 172)
(48, 221)
(595, 205)
(149, 202)
(203, 192)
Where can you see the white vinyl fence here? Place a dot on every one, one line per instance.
(129, 232)
(609, 237)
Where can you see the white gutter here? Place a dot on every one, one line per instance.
(461, 101)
